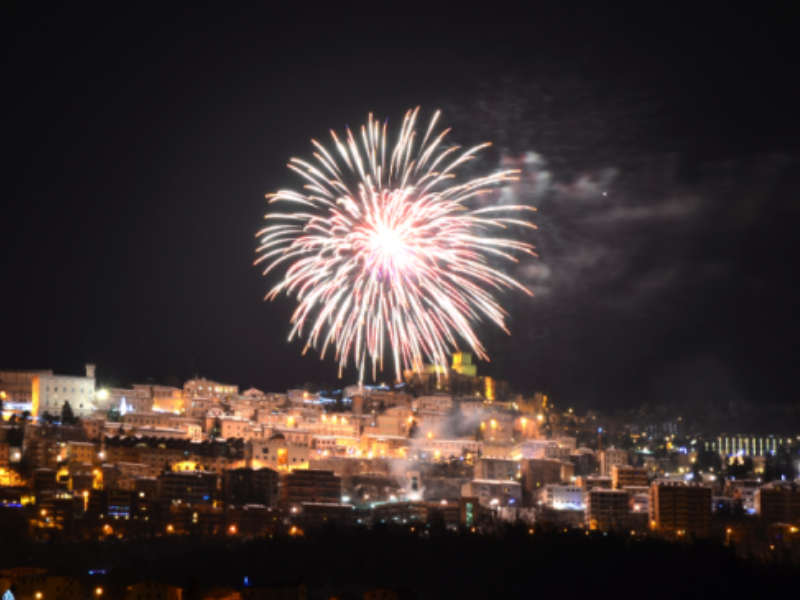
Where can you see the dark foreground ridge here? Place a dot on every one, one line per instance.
(336, 563)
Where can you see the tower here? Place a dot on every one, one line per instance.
(90, 369)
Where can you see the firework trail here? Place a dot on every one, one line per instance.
(384, 249)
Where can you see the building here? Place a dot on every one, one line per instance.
(276, 453)
(394, 421)
(250, 486)
(81, 453)
(5, 455)
(626, 476)
(609, 458)
(561, 497)
(407, 511)
(208, 388)
(538, 472)
(594, 481)
(17, 386)
(310, 486)
(605, 509)
(152, 590)
(40, 587)
(778, 502)
(497, 468)
(462, 364)
(252, 520)
(585, 462)
(316, 514)
(51, 392)
(680, 508)
(187, 487)
(747, 444)
(743, 490)
(439, 403)
(434, 449)
(493, 493)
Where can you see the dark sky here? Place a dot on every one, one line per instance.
(139, 143)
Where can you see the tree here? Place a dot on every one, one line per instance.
(67, 416)
(48, 418)
(412, 429)
(113, 415)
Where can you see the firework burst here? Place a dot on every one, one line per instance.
(384, 252)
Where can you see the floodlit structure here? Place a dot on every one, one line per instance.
(51, 392)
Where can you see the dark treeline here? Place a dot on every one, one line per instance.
(440, 564)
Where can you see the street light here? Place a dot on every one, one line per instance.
(98, 592)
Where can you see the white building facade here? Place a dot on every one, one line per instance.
(51, 392)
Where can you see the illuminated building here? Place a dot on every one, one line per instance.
(561, 497)
(235, 427)
(120, 475)
(5, 455)
(17, 386)
(205, 387)
(594, 481)
(300, 397)
(497, 468)
(395, 421)
(431, 449)
(82, 453)
(609, 458)
(51, 392)
(334, 425)
(309, 486)
(638, 499)
(179, 454)
(187, 427)
(324, 446)
(680, 508)
(747, 444)
(778, 502)
(626, 475)
(276, 453)
(462, 364)
(442, 403)
(605, 509)
(384, 446)
(553, 449)
(494, 493)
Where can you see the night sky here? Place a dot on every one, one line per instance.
(660, 147)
